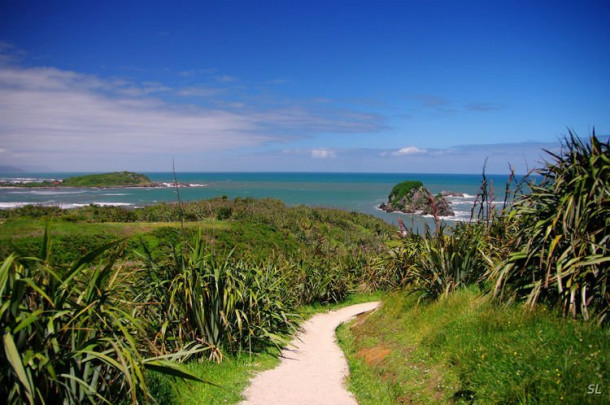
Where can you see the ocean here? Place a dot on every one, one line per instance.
(360, 192)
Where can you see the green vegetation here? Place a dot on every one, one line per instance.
(403, 189)
(490, 311)
(559, 249)
(469, 329)
(211, 290)
(439, 264)
(464, 348)
(255, 228)
(115, 179)
(107, 180)
(71, 334)
(550, 245)
(231, 378)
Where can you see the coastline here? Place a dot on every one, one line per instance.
(59, 187)
(348, 191)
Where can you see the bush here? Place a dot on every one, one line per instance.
(228, 305)
(71, 334)
(560, 247)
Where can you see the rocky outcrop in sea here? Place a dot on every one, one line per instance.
(414, 198)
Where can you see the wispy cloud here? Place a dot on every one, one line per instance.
(46, 113)
(226, 79)
(199, 91)
(444, 105)
(436, 103)
(9, 53)
(484, 106)
(323, 153)
(48, 110)
(433, 101)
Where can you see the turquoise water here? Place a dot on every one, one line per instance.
(358, 192)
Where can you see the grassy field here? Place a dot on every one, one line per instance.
(465, 349)
(15, 228)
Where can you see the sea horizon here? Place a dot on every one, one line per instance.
(357, 192)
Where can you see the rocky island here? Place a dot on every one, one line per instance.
(412, 197)
(104, 180)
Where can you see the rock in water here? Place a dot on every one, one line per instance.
(412, 197)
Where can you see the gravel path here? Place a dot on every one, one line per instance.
(313, 367)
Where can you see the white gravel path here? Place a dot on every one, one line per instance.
(313, 367)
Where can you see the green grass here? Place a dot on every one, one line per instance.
(466, 347)
(368, 386)
(232, 376)
(70, 239)
(24, 227)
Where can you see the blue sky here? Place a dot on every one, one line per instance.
(409, 86)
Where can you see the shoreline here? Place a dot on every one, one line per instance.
(59, 187)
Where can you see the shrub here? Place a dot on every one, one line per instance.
(227, 305)
(448, 261)
(68, 334)
(560, 246)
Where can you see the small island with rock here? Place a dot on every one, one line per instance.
(105, 180)
(411, 197)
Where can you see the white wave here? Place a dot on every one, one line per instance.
(66, 206)
(455, 218)
(198, 185)
(9, 205)
(24, 180)
(461, 200)
(115, 194)
(111, 204)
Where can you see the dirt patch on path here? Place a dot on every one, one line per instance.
(313, 367)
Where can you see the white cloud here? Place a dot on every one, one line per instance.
(48, 110)
(55, 115)
(323, 153)
(409, 150)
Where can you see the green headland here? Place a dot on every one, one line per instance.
(120, 179)
(114, 179)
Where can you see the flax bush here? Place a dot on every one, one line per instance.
(69, 335)
(559, 249)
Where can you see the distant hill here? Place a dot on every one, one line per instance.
(10, 169)
(108, 180)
